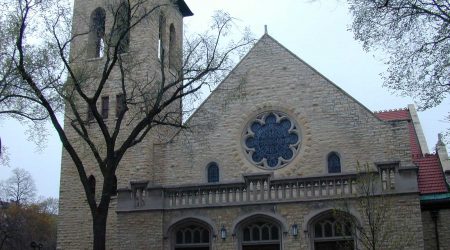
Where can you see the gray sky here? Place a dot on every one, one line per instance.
(315, 31)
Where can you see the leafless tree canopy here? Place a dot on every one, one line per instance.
(415, 35)
(19, 188)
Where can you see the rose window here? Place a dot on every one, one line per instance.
(271, 140)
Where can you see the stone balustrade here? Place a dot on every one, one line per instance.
(255, 189)
(260, 190)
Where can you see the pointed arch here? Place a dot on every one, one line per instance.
(122, 27)
(191, 233)
(260, 230)
(161, 31)
(96, 39)
(333, 229)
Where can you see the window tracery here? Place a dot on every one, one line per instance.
(271, 140)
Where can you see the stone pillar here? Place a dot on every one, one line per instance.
(441, 150)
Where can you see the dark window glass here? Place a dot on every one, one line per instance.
(213, 173)
(172, 50)
(188, 236)
(96, 43)
(334, 163)
(197, 236)
(328, 229)
(179, 237)
(122, 33)
(348, 229)
(246, 234)
(255, 233)
(120, 104)
(162, 24)
(205, 236)
(338, 230)
(275, 233)
(318, 230)
(265, 235)
(105, 106)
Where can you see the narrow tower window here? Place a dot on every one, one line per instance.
(122, 32)
(334, 163)
(213, 172)
(172, 50)
(96, 43)
(162, 24)
(120, 104)
(105, 106)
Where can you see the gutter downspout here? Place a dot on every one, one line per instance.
(434, 216)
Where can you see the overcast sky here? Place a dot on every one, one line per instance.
(316, 31)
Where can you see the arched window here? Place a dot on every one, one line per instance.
(213, 172)
(334, 230)
(161, 28)
(91, 184)
(334, 163)
(191, 236)
(96, 40)
(121, 30)
(172, 47)
(260, 234)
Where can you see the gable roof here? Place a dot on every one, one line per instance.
(431, 179)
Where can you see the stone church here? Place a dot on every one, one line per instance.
(280, 167)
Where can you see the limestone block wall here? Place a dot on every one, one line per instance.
(141, 63)
(271, 78)
(153, 229)
(443, 224)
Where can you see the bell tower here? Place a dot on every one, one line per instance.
(144, 40)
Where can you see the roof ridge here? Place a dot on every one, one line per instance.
(390, 110)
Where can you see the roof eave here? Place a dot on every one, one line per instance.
(184, 8)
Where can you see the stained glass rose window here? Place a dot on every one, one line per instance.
(271, 140)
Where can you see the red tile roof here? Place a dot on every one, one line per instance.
(431, 178)
(393, 115)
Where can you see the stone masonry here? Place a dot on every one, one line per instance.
(268, 78)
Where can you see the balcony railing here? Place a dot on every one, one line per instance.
(255, 189)
(260, 189)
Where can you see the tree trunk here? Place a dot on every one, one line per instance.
(99, 227)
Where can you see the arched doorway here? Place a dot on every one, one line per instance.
(260, 234)
(191, 235)
(333, 231)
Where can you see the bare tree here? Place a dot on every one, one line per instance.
(19, 188)
(38, 79)
(377, 209)
(415, 35)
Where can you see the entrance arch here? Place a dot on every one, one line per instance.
(259, 232)
(191, 234)
(333, 230)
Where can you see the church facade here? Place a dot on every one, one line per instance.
(293, 162)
